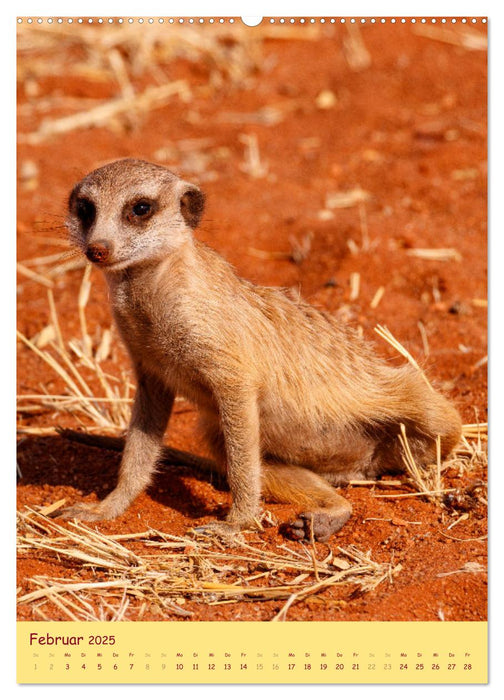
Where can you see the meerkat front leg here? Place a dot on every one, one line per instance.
(151, 412)
(239, 422)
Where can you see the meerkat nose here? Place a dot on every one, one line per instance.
(98, 252)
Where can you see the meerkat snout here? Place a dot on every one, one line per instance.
(99, 252)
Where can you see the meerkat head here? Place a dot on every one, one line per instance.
(131, 211)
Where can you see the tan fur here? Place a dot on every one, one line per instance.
(292, 402)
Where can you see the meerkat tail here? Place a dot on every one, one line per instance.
(169, 455)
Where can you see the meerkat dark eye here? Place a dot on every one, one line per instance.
(85, 211)
(142, 209)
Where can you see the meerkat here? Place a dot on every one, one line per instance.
(292, 402)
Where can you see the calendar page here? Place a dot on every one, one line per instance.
(252, 350)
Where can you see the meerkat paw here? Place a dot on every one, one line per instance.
(318, 525)
(224, 530)
(85, 511)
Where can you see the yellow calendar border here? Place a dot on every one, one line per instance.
(252, 652)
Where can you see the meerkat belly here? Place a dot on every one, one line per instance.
(320, 442)
(296, 437)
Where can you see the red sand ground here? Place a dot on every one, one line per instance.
(410, 129)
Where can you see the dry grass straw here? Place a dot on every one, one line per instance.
(270, 115)
(300, 249)
(252, 164)
(435, 254)
(471, 453)
(480, 303)
(464, 37)
(171, 571)
(356, 53)
(147, 46)
(46, 270)
(103, 114)
(76, 365)
(34, 276)
(354, 286)
(427, 481)
(425, 340)
(121, 54)
(470, 567)
(346, 199)
(378, 295)
(384, 333)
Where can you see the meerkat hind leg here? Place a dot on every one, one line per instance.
(324, 510)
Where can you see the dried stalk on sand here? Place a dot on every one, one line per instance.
(109, 413)
(384, 333)
(156, 568)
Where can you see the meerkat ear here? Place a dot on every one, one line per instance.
(192, 204)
